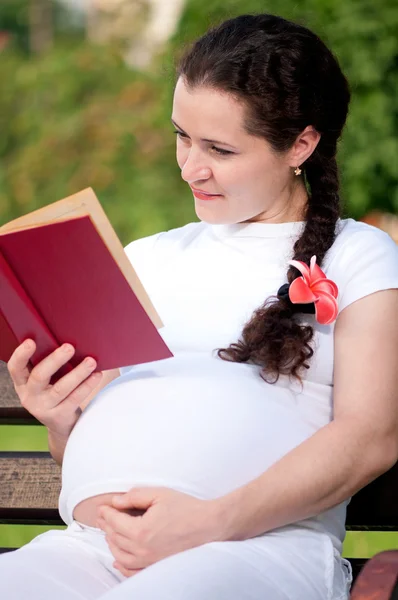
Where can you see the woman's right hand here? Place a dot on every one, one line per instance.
(55, 406)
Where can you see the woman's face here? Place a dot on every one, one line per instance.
(247, 180)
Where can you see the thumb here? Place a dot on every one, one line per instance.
(137, 498)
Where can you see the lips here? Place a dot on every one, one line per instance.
(202, 194)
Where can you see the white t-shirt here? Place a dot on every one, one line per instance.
(194, 422)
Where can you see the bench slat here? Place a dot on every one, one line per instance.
(30, 483)
(11, 411)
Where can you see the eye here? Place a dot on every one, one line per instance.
(221, 151)
(180, 134)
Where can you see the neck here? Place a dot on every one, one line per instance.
(291, 206)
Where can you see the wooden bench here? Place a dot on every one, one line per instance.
(30, 484)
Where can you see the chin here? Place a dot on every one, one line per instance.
(212, 218)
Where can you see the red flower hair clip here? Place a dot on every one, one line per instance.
(314, 287)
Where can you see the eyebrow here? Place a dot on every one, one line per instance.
(204, 139)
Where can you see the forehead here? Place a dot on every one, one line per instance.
(203, 108)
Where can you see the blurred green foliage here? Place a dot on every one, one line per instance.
(78, 117)
(14, 19)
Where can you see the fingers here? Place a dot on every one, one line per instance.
(41, 374)
(76, 385)
(126, 572)
(81, 380)
(18, 363)
(117, 521)
(119, 541)
(127, 560)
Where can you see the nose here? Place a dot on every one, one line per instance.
(194, 167)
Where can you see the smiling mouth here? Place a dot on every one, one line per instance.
(204, 195)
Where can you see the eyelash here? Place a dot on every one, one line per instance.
(219, 151)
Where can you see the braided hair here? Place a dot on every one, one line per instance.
(287, 79)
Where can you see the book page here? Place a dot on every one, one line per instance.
(77, 204)
(82, 204)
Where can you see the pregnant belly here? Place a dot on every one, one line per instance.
(201, 427)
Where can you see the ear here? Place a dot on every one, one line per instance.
(304, 146)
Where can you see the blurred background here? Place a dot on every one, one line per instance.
(85, 100)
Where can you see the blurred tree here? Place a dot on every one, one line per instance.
(116, 21)
(14, 20)
(140, 27)
(77, 117)
(41, 25)
(26, 21)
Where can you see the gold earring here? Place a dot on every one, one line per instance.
(297, 171)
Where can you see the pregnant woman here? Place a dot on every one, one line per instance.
(224, 472)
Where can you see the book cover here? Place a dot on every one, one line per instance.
(61, 282)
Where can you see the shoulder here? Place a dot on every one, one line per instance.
(354, 236)
(357, 241)
(362, 260)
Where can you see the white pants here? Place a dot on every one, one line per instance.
(76, 564)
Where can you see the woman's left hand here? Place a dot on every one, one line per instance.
(173, 522)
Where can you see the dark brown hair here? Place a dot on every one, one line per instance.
(288, 79)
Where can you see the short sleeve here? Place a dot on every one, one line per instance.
(367, 263)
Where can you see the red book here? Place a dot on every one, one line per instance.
(64, 277)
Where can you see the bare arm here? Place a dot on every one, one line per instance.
(57, 443)
(356, 447)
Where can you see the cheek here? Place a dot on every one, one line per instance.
(254, 175)
(247, 184)
(235, 177)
